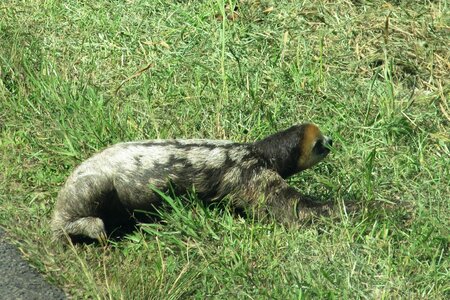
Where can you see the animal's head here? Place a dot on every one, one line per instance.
(313, 146)
(295, 149)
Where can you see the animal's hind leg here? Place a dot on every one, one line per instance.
(91, 227)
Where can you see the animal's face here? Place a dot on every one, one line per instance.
(314, 146)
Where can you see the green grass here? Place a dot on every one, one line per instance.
(372, 74)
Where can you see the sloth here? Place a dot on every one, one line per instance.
(108, 188)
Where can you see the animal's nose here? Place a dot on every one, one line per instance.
(328, 142)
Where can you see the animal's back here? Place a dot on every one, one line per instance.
(127, 172)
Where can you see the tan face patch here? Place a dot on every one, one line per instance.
(311, 133)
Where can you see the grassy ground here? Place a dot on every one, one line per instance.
(373, 74)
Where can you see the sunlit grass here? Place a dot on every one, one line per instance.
(373, 75)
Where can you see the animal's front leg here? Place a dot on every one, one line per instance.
(268, 195)
(286, 205)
